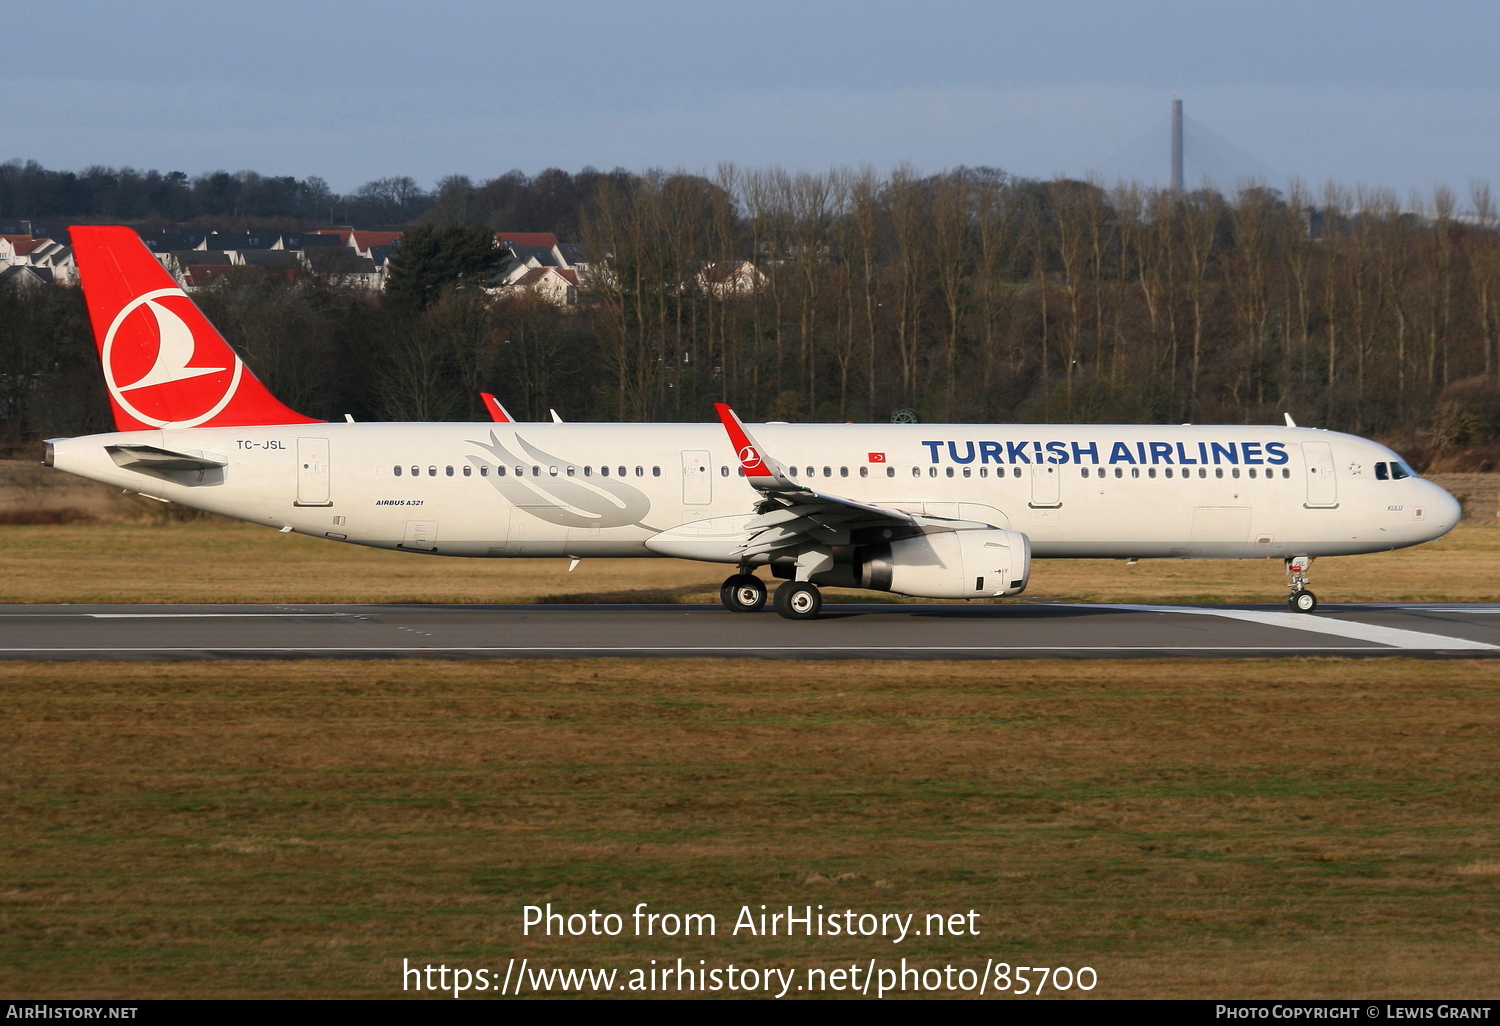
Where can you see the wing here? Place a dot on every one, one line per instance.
(792, 515)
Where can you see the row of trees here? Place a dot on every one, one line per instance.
(549, 201)
(976, 296)
(969, 295)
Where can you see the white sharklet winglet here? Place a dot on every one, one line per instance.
(764, 473)
(793, 514)
(499, 414)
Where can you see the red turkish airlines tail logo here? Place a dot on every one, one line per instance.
(164, 364)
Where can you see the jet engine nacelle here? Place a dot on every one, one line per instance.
(948, 564)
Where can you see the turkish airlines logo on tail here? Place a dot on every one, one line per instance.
(149, 356)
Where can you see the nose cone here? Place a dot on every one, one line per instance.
(1443, 510)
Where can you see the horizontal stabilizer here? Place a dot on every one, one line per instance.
(151, 457)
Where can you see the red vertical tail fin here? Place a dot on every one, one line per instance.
(165, 365)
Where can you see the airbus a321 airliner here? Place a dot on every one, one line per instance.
(953, 511)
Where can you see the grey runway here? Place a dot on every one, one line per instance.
(890, 631)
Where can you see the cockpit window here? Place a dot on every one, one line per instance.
(1400, 470)
(1382, 473)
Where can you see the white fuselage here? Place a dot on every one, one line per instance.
(1076, 491)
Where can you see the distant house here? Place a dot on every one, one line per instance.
(362, 242)
(268, 259)
(554, 285)
(41, 254)
(530, 251)
(222, 241)
(24, 276)
(341, 266)
(178, 262)
(730, 278)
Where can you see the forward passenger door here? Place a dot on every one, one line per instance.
(1322, 485)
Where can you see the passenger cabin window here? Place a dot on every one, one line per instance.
(450, 471)
(950, 471)
(656, 472)
(622, 472)
(432, 471)
(844, 471)
(864, 471)
(604, 471)
(792, 470)
(723, 471)
(416, 471)
(468, 471)
(397, 471)
(484, 471)
(1015, 471)
(640, 471)
(890, 471)
(1218, 472)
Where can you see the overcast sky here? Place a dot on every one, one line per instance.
(1387, 92)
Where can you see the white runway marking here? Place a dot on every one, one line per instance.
(196, 616)
(749, 650)
(1391, 636)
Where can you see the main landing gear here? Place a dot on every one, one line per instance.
(795, 600)
(1301, 600)
(743, 593)
(798, 600)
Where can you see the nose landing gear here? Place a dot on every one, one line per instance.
(1301, 600)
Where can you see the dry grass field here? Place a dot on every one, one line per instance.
(217, 561)
(1233, 828)
(95, 545)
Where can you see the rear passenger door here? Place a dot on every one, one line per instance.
(697, 481)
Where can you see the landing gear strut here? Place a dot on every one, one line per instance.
(1301, 600)
(743, 593)
(798, 600)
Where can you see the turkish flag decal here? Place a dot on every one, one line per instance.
(877, 457)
